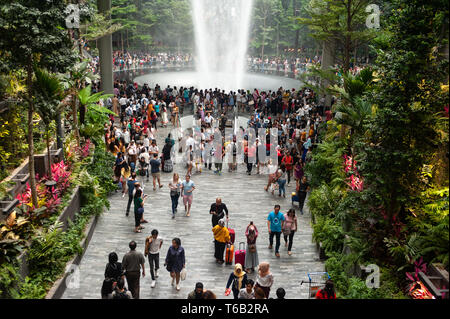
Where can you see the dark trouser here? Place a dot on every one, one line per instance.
(133, 278)
(218, 166)
(215, 220)
(137, 219)
(291, 239)
(277, 244)
(130, 200)
(219, 249)
(249, 167)
(235, 293)
(153, 260)
(174, 199)
(289, 173)
(301, 200)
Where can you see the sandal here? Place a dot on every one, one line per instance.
(138, 231)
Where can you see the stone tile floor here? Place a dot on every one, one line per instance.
(246, 200)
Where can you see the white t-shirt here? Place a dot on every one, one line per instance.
(123, 101)
(146, 142)
(126, 136)
(209, 119)
(146, 156)
(154, 245)
(190, 141)
(153, 149)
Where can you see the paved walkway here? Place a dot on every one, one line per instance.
(246, 200)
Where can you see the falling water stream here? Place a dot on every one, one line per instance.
(221, 38)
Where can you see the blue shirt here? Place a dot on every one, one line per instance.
(275, 221)
(155, 165)
(130, 184)
(187, 186)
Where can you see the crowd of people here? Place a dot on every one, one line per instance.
(295, 65)
(292, 118)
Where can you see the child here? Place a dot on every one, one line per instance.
(247, 292)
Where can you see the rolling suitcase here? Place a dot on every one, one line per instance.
(232, 234)
(229, 254)
(239, 255)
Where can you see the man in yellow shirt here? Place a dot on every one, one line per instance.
(221, 238)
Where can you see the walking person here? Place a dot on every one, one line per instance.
(132, 263)
(302, 190)
(139, 200)
(281, 180)
(237, 281)
(113, 273)
(264, 279)
(130, 185)
(175, 190)
(197, 293)
(298, 171)
(221, 238)
(218, 211)
(152, 247)
(187, 187)
(251, 255)
(288, 162)
(289, 229)
(175, 261)
(121, 292)
(275, 222)
(155, 164)
(125, 173)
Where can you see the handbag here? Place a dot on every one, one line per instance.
(287, 231)
(252, 248)
(183, 274)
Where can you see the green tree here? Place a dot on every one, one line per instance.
(48, 96)
(409, 100)
(338, 23)
(32, 33)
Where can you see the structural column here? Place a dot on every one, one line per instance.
(328, 59)
(105, 51)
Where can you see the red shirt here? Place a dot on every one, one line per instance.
(287, 161)
(322, 294)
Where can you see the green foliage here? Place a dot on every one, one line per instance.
(9, 277)
(329, 233)
(326, 165)
(47, 247)
(32, 289)
(322, 201)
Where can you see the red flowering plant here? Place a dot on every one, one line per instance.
(355, 181)
(85, 150)
(62, 176)
(75, 154)
(48, 198)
